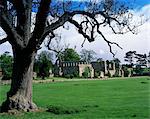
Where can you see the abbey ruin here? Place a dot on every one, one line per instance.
(97, 69)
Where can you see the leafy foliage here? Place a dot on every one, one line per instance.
(129, 57)
(43, 64)
(141, 59)
(87, 72)
(70, 54)
(6, 62)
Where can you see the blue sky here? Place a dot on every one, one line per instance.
(140, 2)
(136, 2)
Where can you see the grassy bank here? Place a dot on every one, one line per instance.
(90, 99)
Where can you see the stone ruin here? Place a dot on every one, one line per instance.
(98, 69)
(72, 68)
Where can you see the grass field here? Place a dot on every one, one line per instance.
(93, 99)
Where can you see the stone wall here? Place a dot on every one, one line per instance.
(101, 68)
(72, 68)
(104, 67)
(82, 69)
(98, 66)
(111, 68)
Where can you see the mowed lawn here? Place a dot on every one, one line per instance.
(127, 98)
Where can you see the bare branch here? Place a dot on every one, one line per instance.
(61, 21)
(80, 30)
(14, 37)
(40, 23)
(109, 43)
(96, 24)
(51, 36)
(3, 40)
(20, 10)
(41, 18)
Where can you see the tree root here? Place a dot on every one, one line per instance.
(18, 103)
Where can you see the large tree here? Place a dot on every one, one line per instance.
(70, 54)
(26, 36)
(141, 59)
(43, 64)
(129, 57)
(87, 55)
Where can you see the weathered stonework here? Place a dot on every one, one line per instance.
(72, 68)
(102, 68)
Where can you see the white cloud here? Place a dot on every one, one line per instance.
(128, 41)
(5, 47)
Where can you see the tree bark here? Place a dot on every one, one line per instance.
(20, 95)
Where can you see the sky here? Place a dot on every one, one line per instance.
(128, 41)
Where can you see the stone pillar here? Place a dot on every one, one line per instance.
(92, 72)
(105, 67)
(114, 68)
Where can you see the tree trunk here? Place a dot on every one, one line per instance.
(20, 95)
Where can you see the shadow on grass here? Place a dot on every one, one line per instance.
(68, 110)
(143, 82)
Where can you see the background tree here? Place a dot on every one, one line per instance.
(6, 62)
(26, 36)
(57, 46)
(43, 64)
(87, 55)
(129, 57)
(141, 59)
(70, 54)
(141, 65)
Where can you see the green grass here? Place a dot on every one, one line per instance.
(94, 99)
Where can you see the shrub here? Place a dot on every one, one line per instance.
(87, 72)
(71, 76)
(76, 74)
(63, 110)
(6, 62)
(67, 76)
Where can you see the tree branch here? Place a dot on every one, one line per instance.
(20, 8)
(60, 22)
(109, 43)
(13, 36)
(3, 40)
(40, 23)
(80, 30)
